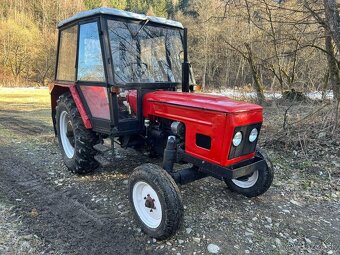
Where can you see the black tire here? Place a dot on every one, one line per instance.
(83, 140)
(264, 180)
(169, 198)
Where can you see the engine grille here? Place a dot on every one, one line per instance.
(245, 147)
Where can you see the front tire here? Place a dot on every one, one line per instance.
(156, 201)
(75, 141)
(256, 183)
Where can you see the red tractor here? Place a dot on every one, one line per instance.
(118, 76)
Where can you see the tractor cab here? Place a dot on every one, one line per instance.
(114, 57)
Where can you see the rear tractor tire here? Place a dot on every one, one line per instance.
(256, 183)
(75, 141)
(155, 201)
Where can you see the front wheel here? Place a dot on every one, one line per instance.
(156, 201)
(256, 183)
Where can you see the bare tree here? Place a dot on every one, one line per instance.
(331, 23)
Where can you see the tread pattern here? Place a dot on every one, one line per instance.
(169, 195)
(83, 161)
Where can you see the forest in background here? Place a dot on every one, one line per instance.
(264, 44)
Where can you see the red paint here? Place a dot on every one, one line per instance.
(56, 91)
(215, 116)
(132, 100)
(80, 106)
(202, 101)
(97, 100)
(59, 88)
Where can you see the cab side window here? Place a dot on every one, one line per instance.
(67, 54)
(90, 60)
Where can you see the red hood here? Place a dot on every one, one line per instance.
(202, 101)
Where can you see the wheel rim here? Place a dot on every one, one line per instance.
(66, 134)
(248, 181)
(147, 204)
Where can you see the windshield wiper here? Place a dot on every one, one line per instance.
(141, 28)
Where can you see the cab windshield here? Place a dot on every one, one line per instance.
(142, 54)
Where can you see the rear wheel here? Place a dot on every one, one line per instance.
(156, 201)
(75, 141)
(256, 183)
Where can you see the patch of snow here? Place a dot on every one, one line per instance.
(233, 93)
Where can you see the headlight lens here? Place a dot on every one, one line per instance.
(253, 135)
(237, 139)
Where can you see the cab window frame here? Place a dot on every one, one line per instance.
(73, 66)
(102, 50)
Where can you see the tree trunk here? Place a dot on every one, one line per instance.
(333, 20)
(258, 86)
(333, 27)
(334, 76)
(204, 75)
(336, 120)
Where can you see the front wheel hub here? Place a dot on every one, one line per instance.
(149, 202)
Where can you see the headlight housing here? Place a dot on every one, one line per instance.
(253, 135)
(237, 139)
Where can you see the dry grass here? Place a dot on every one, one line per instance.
(25, 104)
(300, 125)
(304, 134)
(24, 99)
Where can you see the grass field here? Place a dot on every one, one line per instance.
(28, 105)
(24, 99)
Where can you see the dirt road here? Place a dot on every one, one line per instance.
(55, 212)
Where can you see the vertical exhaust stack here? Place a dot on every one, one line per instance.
(185, 64)
(169, 156)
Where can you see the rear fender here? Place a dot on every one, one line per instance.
(56, 90)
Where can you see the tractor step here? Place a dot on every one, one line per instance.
(101, 148)
(102, 161)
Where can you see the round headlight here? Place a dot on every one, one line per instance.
(253, 135)
(237, 139)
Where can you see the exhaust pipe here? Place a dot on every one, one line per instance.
(169, 156)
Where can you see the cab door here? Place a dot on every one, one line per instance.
(91, 77)
(125, 99)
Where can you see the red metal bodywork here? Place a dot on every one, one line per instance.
(97, 101)
(58, 89)
(214, 116)
(80, 107)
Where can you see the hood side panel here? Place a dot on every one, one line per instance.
(218, 125)
(196, 122)
(201, 101)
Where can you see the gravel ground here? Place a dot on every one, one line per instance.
(44, 209)
(12, 241)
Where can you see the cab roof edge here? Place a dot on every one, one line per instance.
(120, 13)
